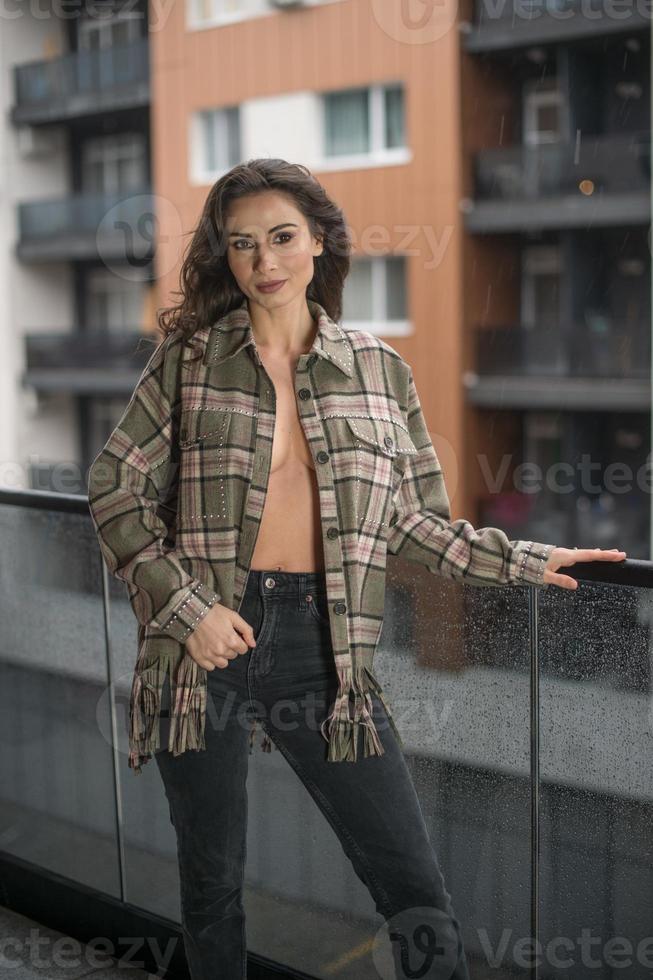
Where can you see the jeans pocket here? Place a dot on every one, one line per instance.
(319, 607)
(254, 611)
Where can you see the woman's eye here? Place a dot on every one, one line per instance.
(243, 241)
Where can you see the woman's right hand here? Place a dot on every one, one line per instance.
(221, 636)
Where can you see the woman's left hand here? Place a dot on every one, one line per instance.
(560, 557)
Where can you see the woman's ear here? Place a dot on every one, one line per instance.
(318, 247)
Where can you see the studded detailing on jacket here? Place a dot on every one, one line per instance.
(177, 494)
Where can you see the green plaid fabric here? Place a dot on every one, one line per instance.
(177, 493)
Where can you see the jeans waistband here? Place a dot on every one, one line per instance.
(273, 582)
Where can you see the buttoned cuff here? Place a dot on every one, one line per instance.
(528, 561)
(188, 612)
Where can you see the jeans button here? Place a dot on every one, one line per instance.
(270, 583)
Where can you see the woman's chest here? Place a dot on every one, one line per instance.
(236, 433)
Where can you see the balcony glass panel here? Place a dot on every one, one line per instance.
(82, 73)
(57, 796)
(596, 792)
(477, 679)
(598, 164)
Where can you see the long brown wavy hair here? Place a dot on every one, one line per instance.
(208, 289)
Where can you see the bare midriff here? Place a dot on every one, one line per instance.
(290, 536)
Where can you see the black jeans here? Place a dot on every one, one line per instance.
(288, 681)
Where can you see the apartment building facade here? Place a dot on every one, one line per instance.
(79, 239)
(556, 103)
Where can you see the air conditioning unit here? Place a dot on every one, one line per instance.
(287, 4)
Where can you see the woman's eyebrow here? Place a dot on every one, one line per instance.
(246, 234)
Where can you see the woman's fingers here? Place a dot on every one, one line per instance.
(592, 554)
(582, 554)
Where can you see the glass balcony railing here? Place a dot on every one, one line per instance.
(89, 349)
(82, 79)
(118, 225)
(599, 348)
(86, 362)
(610, 164)
(527, 718)
(82, 214)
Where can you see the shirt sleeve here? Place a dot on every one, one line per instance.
(421, 528)
(127, 484)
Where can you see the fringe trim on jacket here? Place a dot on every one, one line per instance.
(188, 713)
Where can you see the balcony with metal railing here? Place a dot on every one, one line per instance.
(92, 362)
(527, 719)
(116, 225)
(602, 179)
(502, 25)
(563, 365)
(82, 83)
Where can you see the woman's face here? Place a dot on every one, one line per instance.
(269, 239)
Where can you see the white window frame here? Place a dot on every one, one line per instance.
(103, 280)
(536, 259)
(109, 150)
(198, 173)
(380, 324)
(266, 8)
(537, 95)
(378, 154)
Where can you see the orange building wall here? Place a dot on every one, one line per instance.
(332, 47)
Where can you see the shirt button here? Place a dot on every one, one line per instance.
(388, 441)
(322, 457)
(332, 532)
(340, 608)
(304, 393)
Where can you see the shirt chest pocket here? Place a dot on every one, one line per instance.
(216, 460)
(380, 450)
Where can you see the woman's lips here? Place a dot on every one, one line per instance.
(272, 288)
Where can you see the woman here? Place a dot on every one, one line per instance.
(265, 465)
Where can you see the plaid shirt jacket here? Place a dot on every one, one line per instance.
(177, 494)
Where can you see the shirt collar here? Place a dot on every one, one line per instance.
(233, 333)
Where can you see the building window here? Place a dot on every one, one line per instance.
(543, 106)
(215, 142)
(115, 163)
(115, 304)
(374, 297)
(364, 120)
(118, 24)
(347, 122)
(393, 116)
(203, 12)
